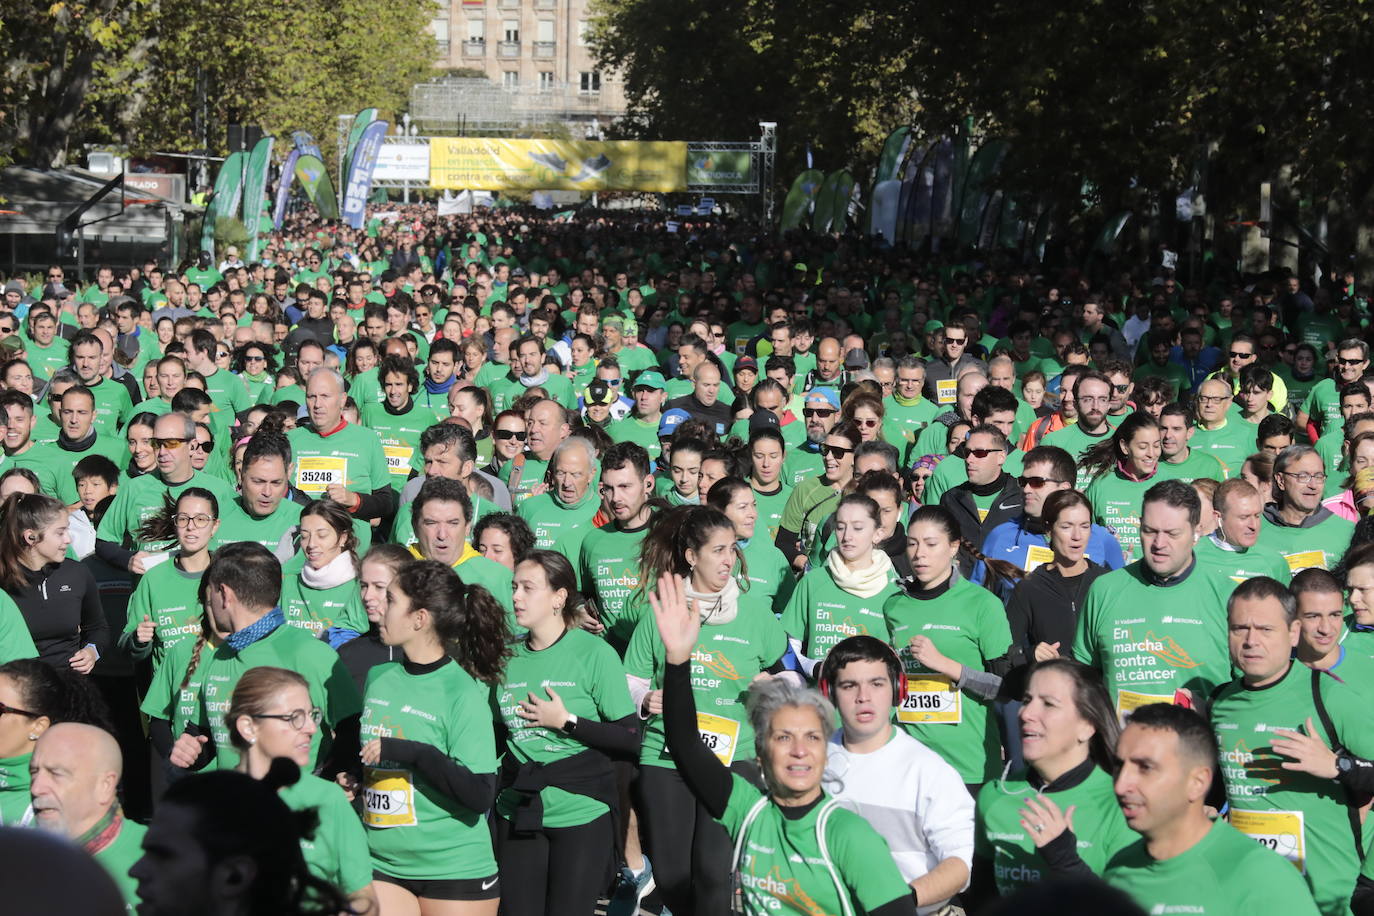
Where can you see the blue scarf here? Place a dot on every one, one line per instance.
(443, 388)
(256, 630)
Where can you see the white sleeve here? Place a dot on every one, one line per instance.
(639, 689)
(944, 809)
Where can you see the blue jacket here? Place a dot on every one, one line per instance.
(1012, 541)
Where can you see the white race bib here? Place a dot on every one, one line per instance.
(388, 798)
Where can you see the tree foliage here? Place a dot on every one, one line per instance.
(160, 74)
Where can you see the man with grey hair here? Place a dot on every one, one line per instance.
(1297, 525)
(884, 371)
(546, 426)
(561, 517)
(336, 459)
(905, 411)
(118, 539)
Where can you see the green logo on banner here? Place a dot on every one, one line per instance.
(720, 168)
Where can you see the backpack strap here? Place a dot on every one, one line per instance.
(744, 826)
(822, 822)
(1352, 809)
(517, 470)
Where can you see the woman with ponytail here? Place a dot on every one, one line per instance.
(173, 697)
(35, 696)
(845, 596)
(270, 716)
(556, 825)
(324, 597)
(948, 633)
(1122, 468)
(57, 595)
(762, 568)
(740, 640)
(429, 752)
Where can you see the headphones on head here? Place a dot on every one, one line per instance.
(863, 648)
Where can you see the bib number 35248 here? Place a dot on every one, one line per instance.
(931, 699)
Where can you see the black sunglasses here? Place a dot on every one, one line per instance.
(520, 435)
(835, 451)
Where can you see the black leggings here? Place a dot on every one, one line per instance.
(690, 852)
(555, 869)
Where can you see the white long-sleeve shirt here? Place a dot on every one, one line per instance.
(911, 796)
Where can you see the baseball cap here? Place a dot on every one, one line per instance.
(763, 419)
(824, 394)
(934, 324)
(747, 362)
(519, 272)
(650, 378)
(631, 327)
(856, 359)
(613, 321)
(598, 392)
(671, 420)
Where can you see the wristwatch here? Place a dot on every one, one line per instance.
(569, 725)
(1345, 765)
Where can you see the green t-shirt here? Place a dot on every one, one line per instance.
(998, 837)
(771, 506)
(769, 577)
(44, 361)
(1239, 565)
(317, 609)
(331, 686)
(633, 429)
(142, 497)
(727, 658)
(229, 394)
(820, 614)
(587, 675)
(120, 855)
(902, 424)
(166, 698)
(113, 407)
(811, 503)
(366, 388)
(414, 830)
(1306, 819)
(532, 472)
(353, 456)
(337, 852)
(1322, 545)
(1224, 873)
(1230, 444)
(1197, 465)
(1149, 640)
(16, 803)
(1117, 502)
(495, 578)
(785, 867)
(171, 597)
(237, 524)
(1073, 440)
(53, 464)
(1323, 405)
(15, 641)
(557, 526)
(400, 435)
(802, 463)
(608, 568)
(966, 623)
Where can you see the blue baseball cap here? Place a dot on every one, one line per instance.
(824, 393)
(671, 420)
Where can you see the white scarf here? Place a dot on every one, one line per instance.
(336, 572)
(864, 583)
(529, 381)
(716, 608)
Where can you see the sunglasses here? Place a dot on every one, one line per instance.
(981, 453)
(169, 444)
(1121, 389)
(956, 340)
(1234, 355)
(821, 412)
(519, 435)
(835, 451)
(1343, 362)
(7, 329)
(867, 423)
(16, 711)
(255, 359)
(1036, 482)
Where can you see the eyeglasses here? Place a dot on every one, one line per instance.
(1037, 482)
(1349, 362)
(821, 412)
(9, 329)
(981, 453)
(519, 435)
(867, 422)
(169, 444)
(296, 718)
(960, 341)
(205, 446)
(183, 520)
(15, 711)
(1213, 398)
(254, 359)
(835, 451)
(1121, 389)
(1237, 355)
(220, 354)
(1306, 477)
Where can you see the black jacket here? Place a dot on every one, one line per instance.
(61, 605)
(1007, 504)
(1044, 607)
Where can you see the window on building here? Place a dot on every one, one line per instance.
(510, 79)
(583, 27)
(511, 27)
(590, 81)
(477, 30)
(544, 30)
(545, 80)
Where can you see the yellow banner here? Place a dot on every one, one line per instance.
(557, 165)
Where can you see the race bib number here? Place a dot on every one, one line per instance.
(1307, 559)
(1280, 831)
(398, 458)
(720, 735)
(315, 474)
(1037, 557)
(388, 798)
(947, 391)
(1127, 701)
(931, 699)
